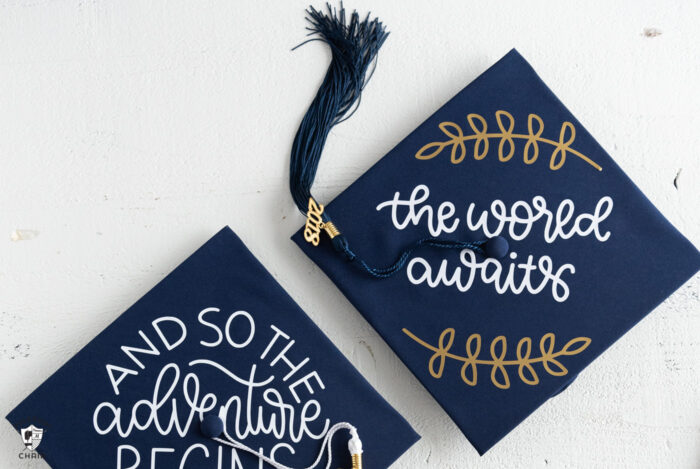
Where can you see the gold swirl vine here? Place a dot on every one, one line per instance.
(506, 144)
(497, 350)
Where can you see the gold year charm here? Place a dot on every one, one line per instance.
(314, 223)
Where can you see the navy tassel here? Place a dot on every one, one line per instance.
(354, 47)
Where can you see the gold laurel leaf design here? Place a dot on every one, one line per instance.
(425, 154)
(498, 351)
(454, 131)
(445, 343)
(547, 344)
(554, 367)
(533, 136)
(567, 134)
(576, 346)
(499, 375)
(506, 136)
(526, 371)
(469, 371)
(479, 127)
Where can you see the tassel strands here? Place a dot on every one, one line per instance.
(354, 47)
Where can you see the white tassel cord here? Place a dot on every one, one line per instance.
(354, 446)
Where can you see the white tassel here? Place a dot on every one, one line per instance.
(354, 446)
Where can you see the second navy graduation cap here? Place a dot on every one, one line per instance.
(214, 357)
(576, 256)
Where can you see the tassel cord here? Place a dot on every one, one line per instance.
(326, 447)
(342, 246)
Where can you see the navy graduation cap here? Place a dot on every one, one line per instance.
(517, 251)
(215, 367)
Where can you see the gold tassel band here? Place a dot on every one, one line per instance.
(331, 229)
(356, 461)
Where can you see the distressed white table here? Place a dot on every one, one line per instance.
(131, 131)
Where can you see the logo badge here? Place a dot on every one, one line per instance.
(31, 436)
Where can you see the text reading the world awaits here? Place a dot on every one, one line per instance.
(518, 222)
(280, 406)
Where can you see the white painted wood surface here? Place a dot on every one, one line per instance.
(131, 131)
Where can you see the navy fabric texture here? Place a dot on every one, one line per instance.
(225, 339)
(589, 256)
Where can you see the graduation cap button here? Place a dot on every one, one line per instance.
(211, 426)
(496, 247)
